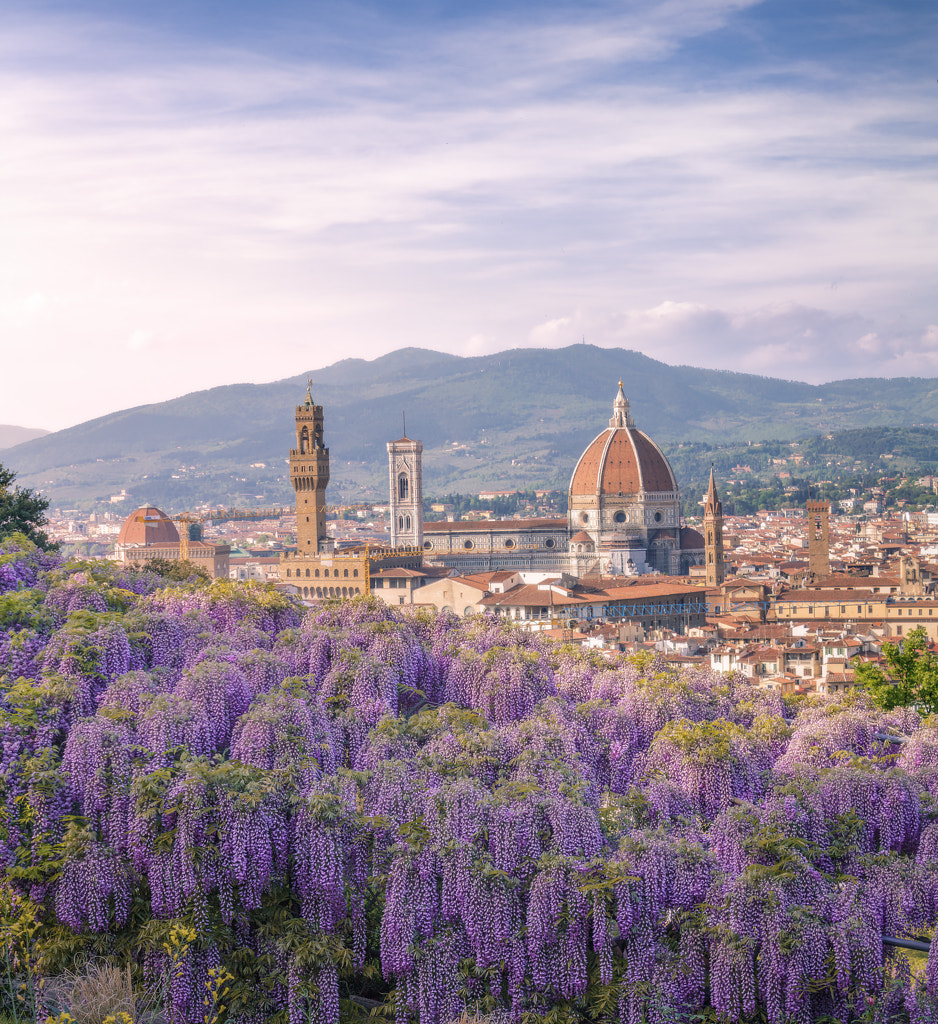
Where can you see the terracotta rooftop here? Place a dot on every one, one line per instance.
(622, 460)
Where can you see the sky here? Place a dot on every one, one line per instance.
(200, 193)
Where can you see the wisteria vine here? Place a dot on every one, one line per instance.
(362, 806)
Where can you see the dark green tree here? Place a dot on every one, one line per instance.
(910, 679)
(177, 571)
(22, 511)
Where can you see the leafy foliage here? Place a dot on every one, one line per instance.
(911, 678)
(22, 511)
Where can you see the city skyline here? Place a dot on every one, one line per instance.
(192, 198)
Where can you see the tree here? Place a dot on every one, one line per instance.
(177, 571)
(910, 679)
(22, 511)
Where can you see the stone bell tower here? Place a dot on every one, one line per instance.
(713, 535)
(406, 484)
(819, 559)
(309, 474)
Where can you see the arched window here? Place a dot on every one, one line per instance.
(403, 487)
(400, 522)
(305, 591)
(304, 441)
(319, 591)
(307, 572)
(407, 523)
(317, 572)
(355, 572)
(345, 573)
(288, 572)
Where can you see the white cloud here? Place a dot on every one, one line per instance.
(139, 340)
(515, 185)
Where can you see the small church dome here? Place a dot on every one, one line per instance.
(148, 525)
(691, 539)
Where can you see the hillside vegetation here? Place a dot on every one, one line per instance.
(515, 419)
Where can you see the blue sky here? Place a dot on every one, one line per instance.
(193, 194)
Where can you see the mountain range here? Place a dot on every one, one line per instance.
(517, 418)
(11, 435)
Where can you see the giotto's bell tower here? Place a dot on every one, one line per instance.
(406, 484)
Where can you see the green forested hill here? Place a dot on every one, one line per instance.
(512, 419)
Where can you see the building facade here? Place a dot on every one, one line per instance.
(623, 518)
(149, 533)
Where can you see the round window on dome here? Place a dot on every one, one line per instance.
(658, 516)
(509, 543)
(467, 545)
(619, 517)
(548, 543)
(584, 517)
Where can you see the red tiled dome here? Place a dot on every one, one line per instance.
(148, 525)
(621, 460)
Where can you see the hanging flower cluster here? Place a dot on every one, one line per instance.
(442, 815)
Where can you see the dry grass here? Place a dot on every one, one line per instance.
(102, 990)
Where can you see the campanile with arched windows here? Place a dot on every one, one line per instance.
(406, 489)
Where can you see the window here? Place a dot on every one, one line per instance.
(307, 572)
(468, 545)
(619, 517)
(426, 545)
(509, 543)
(403, 486)
(355, 573)
(345, 574)
(317, 572)
(548, 543)
(288, 572)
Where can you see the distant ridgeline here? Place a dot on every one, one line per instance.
(512, 420)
